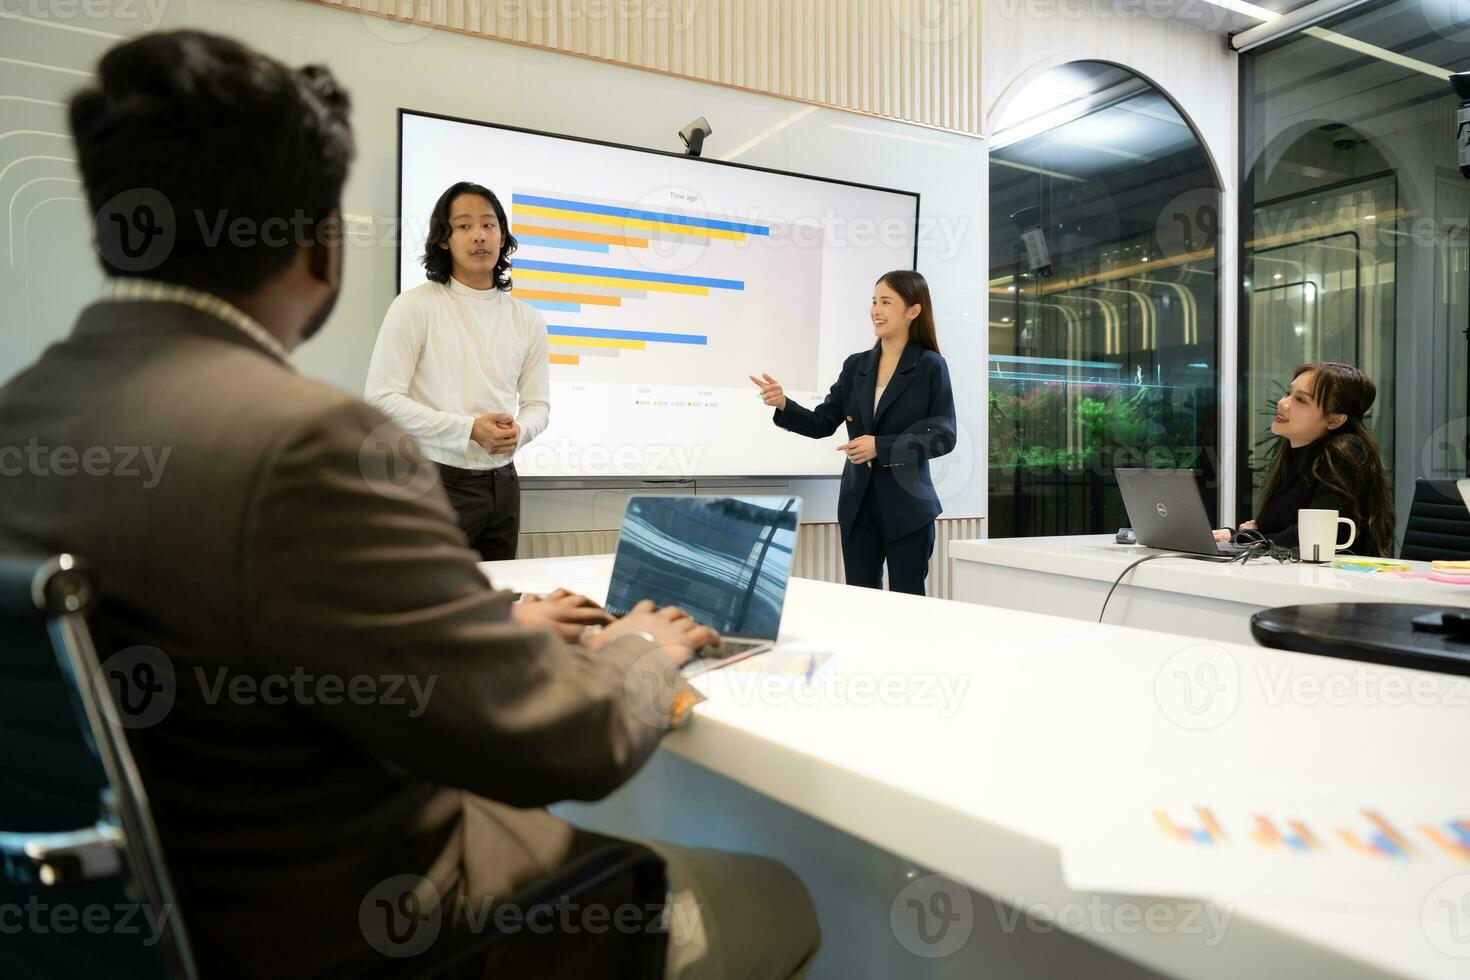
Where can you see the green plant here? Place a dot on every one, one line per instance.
(1092, 426)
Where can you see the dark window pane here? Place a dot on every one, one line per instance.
(1103, 285)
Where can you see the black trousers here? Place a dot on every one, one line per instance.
(866, 547)
(488, 505)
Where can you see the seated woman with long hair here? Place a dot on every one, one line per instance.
(1326, 459)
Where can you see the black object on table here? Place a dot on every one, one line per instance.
(1376, 632)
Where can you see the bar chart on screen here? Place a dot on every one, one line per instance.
(662, 290)
(662, 283)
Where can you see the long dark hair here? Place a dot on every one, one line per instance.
(1350, 462)
(913, 288)
(438, 263)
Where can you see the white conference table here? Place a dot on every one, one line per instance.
(1069, 575)
(1046, 720)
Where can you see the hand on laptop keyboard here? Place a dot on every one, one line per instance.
(674, 630)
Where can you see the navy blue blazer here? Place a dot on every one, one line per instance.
(914, 423)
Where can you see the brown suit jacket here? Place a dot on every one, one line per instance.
(274, 575)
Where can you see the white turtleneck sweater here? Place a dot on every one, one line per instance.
(447, 354)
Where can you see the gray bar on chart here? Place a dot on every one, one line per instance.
(585, 351)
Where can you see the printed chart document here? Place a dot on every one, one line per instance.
(1383, 855)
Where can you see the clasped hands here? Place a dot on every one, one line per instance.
(496, 432)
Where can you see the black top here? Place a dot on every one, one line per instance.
(1300, 490)
(913, 423)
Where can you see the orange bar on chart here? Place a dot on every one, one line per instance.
(1207, 817)
(1300, 829)
(568, 234)
(1351, 840)
(557, 296)
(1453, 848)
(1398, 839)
(563, 359)
(1265, 833)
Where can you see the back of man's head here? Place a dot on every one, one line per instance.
(206, 163)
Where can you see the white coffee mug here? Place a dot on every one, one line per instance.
(1316, 534)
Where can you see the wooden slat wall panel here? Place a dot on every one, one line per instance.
(881, 57)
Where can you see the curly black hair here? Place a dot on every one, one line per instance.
(438, 263)
(234, 158)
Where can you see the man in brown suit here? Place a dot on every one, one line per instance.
(334, 697)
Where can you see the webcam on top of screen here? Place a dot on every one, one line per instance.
(693, 136)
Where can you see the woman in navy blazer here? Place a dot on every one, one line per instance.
(899, 410)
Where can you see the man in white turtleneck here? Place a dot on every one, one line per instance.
(462, 366)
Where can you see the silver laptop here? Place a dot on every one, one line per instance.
(724, 560)
(1168, 513)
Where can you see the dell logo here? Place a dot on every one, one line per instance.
(1163, 511)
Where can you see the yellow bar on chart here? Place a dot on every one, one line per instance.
(1167, 826)
(577, 278)
(563, 359)
(561, 341)
(537, 211)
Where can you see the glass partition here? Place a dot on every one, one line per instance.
(1354, 219)
(1103, 285)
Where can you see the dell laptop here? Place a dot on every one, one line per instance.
(1168, 513)
(724, 560)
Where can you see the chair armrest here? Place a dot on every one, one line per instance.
(62, 859)
(34, 589)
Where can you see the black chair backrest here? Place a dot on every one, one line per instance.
(1439, 523)
(80, 860)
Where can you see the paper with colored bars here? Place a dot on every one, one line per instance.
(1284, 850)
(662, 292)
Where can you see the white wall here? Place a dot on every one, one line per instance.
(50, 274)
(386, 66)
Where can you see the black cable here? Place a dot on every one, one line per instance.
(1131, 567)
(1253, 544)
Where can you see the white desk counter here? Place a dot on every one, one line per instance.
(1070, 575)
(969, 740)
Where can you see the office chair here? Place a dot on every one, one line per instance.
(1439, 524)
(80, 859)
(77, 837)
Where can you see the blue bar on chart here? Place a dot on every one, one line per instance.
(652, 335)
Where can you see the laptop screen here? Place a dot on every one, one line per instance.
(723, 560)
